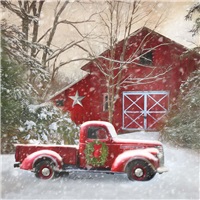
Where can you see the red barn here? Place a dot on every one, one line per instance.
(145, 82)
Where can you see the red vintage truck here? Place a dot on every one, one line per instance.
(99, 150)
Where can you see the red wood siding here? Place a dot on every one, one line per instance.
(93, 87)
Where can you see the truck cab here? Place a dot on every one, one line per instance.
(99, 150)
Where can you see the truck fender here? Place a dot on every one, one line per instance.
(122, 160)
(29, 162)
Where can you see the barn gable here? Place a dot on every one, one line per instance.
(152, 70)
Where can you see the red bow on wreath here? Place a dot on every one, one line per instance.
(97, 150)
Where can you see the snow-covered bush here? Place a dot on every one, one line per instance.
(47, 124)
(21, 85)
(25, 123)
(183, 127)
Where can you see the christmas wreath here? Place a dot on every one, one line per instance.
(96, 153)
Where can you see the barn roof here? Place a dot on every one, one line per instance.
(86, 66)
(67, 87)
(138, 31)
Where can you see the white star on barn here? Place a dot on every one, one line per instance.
(77, 99)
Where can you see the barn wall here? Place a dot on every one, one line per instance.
(167, 55)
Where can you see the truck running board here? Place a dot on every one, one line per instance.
(90, 171)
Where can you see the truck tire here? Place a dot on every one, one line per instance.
(45, 169)
(140, 170)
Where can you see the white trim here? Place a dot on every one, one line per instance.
(145, 112)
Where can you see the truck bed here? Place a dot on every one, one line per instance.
(69, 153)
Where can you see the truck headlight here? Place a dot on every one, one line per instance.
(160, 155)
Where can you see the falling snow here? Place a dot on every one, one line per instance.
(181, 182)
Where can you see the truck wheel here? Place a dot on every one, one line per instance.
(140, 170)
(45, 170)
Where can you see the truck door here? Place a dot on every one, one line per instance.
(95, 151)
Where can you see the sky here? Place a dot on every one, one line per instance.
(173, 25)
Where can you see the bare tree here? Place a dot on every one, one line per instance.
(195, 9)
(118, 20)
(40, 53)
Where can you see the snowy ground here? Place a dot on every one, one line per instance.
(181, 182)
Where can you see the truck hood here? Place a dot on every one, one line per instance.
(131, 143)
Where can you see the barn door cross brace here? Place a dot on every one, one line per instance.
(134, 103)
(145, 111)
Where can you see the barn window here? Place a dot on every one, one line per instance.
(60, 102)
(105, 102)
(146, 58)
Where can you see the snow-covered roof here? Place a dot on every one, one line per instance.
(133, 34)
(85, 67)
(67, 87)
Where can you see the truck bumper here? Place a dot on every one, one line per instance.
(162, 169)
(17, 164)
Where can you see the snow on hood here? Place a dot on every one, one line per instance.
(137, 143)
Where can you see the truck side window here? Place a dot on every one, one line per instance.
(92, 133)
(97, 133)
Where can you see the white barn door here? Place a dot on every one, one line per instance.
(143, 110)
